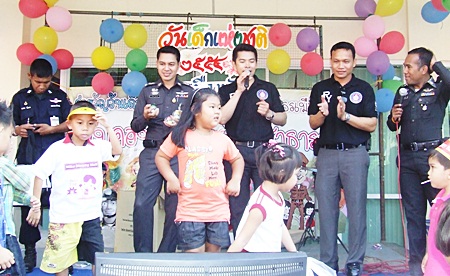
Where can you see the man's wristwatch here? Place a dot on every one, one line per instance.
(270, 117)
(347, 117)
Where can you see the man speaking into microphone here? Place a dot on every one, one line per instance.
(249, 108)
(418, 111)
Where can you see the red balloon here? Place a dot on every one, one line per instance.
(27, 52)
(64, 58)
(280, 34)
(437, 4)
(392, 42)
(102, 83)
(311, 64)
(33, 8)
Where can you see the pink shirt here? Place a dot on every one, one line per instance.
(436, 264)
(202, 196)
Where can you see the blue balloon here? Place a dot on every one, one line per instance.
(431, 15)
(111, 30)
(384, 98)
(52, 61)
(390, 73)
(133, 82)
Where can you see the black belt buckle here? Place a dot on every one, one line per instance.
(250, 144)
(340, 146)
(414, 146)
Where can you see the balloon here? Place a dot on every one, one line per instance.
(45, 39)
(102, 58)
(364, 8)
(280, 34)
(133, 82)
(311, 64)
(111, 30)
(50, 3)
(446, 4)
(308, 40)
(390, 73)
(392, 85)
(33, 8)
(102, 83)
(388, 7)
(384, 99)
(377, 63)
(278, 61)
(431, 15)
(135, 36)
(52, 61)
(365, 46)
(59, 19)
(373, 27)
(392, 42)
(437, 4)
(136, 60)
(64, 58)
(27, 52)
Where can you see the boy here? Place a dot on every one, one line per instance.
(434, 262)
(13, 186)
(75, 164)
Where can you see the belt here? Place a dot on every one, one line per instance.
(419, 146)
(249, 144)
(148, 143)
(342, 146)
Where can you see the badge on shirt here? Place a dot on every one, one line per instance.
(154, 93)
(55, 102)
(25, 106)
(262, 94)
(427, 94)
(356, 97)
(54, 121)
(182, 94)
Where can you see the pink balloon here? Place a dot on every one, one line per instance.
(437, 4)
(364, 8)
(365, 46)
(311, 64)
(64, 58)
(392, 42)
(59, 19)
(378, 63)
(280, 34)
(27, 53)
(33, 8)
(373, 27)
(102, 83)
(308, 40)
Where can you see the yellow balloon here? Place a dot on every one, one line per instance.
(388, 7)
(135, 36)
(278, 61)
(102, 58)
(50, 3)
(45, 39)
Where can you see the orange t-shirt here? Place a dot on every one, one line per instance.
(202, 196)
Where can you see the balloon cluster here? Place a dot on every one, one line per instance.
(279, 61)
(378, 63)
(45, 38)
(135, 36)
(435, 11)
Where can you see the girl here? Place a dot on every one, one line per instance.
(261, 228)
(203, 211)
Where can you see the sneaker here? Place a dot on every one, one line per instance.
(353, 269)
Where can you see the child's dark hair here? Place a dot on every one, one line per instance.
(41, 68)
(277, 162)
(187, 119)
(444, 161)
(443, 230)
(82, 103)
(6, 114)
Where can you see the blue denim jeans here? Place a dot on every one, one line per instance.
(19, 267)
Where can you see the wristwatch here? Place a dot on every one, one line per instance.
(347, 117)
(270, 117)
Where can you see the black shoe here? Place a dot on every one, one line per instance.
(71, 270)
(353, 269)
(30, 257)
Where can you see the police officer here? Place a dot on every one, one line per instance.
(249, 108)
(343, 106)
(40, 112)
(419, 109)
(157, 110)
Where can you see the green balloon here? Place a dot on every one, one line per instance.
(446, 4)
(392, 85)
(136, 60)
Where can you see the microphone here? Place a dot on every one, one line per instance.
(402, 92)
(247, 80)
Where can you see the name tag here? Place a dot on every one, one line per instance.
(54, 121)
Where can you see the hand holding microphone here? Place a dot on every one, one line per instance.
(247, 80)
(397, 110)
